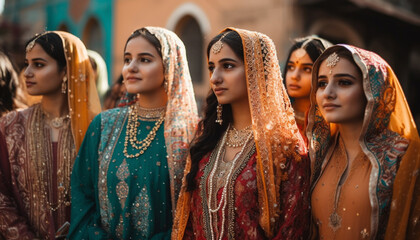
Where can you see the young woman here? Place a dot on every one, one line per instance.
(298, 74)
(365, 149)
(11, 94)
(127, 176)
(39, 144)
(249, 174)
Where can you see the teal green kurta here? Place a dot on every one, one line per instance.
(118, 197)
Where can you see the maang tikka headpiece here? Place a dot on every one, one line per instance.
(217, 46)
(32, 43)
(332, 60)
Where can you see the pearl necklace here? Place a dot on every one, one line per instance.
(223, 200)
(132, 130)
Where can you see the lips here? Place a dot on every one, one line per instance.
(219, 90)
(330, 106)
(294, 87)
(132, 78)
(29, 84)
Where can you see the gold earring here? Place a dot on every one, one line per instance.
(64, 85)
(219, 110)
(165, 85)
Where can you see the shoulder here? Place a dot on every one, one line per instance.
(15, 118)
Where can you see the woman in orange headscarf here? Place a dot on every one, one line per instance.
(249, 175)
(365, 149)
(39, 144)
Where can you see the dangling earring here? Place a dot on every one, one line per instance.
(219, 110)
(165, 85)
(64, 85)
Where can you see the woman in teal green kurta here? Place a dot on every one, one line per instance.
(123, 188)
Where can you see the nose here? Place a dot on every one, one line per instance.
(27, 73)
(132, 67)
(216, 77)
(295, 74)
(329, 91)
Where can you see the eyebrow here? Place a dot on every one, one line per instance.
(38, 59)
(339, 75)
(140, 54)
(305, 64)
(225, 60)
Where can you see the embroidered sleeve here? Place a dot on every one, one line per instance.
(12, 224)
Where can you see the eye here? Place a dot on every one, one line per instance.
(38, 65)
(345, 82)
(307, 69)
(290, 67)
(127, 60)
(322, 83)
(211, 68)
(145, 60)
(228, 65)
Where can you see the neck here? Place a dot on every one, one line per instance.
(241, 114)
(155, 99)
(55, 106)
(350, 133)
(301, 104)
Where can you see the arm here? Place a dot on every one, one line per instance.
(85, 215)
(294, 193)
(12, 223)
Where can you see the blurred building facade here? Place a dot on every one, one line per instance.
(387, 27)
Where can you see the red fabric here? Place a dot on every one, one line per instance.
(294, 204)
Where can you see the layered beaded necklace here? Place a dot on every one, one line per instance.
(135, 114)
(213, 206)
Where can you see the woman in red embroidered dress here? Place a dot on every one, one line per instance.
(248, 177)
(38, 145)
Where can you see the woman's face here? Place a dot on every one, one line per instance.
(299, 74)
(227, 76)
(42, 73)
(143, 70)
(340, 94)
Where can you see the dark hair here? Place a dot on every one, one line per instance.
(208, 131)
(143, 32)
(53, 45)
(313, 46)
(8, 84)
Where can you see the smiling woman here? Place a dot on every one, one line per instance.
(133, 157)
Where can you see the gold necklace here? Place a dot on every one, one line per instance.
(56, 122)
(237, 138)
(132, 130)
(43, 161)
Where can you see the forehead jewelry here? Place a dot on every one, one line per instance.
(32, 43)
(217, 46)
(299, 53)
(332, 60)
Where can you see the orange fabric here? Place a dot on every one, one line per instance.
(353, 204)
(83, 97)
(389, 139)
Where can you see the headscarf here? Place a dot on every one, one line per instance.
(83, 98)
(276, 134)
(390, 140)
(181, 116)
